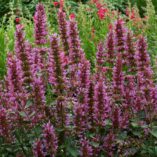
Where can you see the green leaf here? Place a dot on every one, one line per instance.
(22, 114)
(137, 133)
(28, 104)
(95, 144)
(134, 124)
(154, 131)
(73, 152)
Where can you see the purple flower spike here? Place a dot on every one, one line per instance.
(145, 73)
(40, 25)
(75, 51)
(86, 149)
(118, 79)
(48, 145)
(38, 149)
(5, 127)
(63, 30)
(110, 48)
(130, 53)
(102, 106)
(23, 52)
(120, 36)
(56, 66)
(14, 74)
(38, 92)
(50, 139)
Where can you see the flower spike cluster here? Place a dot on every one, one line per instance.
(51, 95)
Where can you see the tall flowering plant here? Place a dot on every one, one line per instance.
(69, 109)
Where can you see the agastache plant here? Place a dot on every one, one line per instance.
(40, 25)
(118, 79)
(5, 126)
(48, 144)
(39, 99)
(119, 35)
(50, 139)
(102, 105)
(145, 82)
(56, 71)
(62, 22)
(145, 73)
(38, 149)
(110, 48)
(57, 77)
(100, 61)
(91, 104)
(53, 103)
(23, 51)
(75, 51)
(86, 149)
(81, 107)
(130, 53)
(14, 74)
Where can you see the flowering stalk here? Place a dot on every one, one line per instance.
(5, 127)
(130, 53)
(75, 54)
(102, 106)
(83, 77)
(145, 76)
(56, 68)
(91, 104)
(80, 118)
(48, 145)
(38, 149)
(58, 80)
(37, 61)
(100, 55)
(56, 72)
(145, 73)
(110, 51)
(14, 74)
(120, 36)
(23, 53)
(40, 25)
(63, 30)
(39, 99)
(118, 80)
(119, 120)
(99, 61)
(86, 149)
(130, 93)
(50, 139)
(75, 51)
(81, 107)
(109, 144)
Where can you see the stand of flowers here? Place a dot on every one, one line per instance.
(53, 104)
